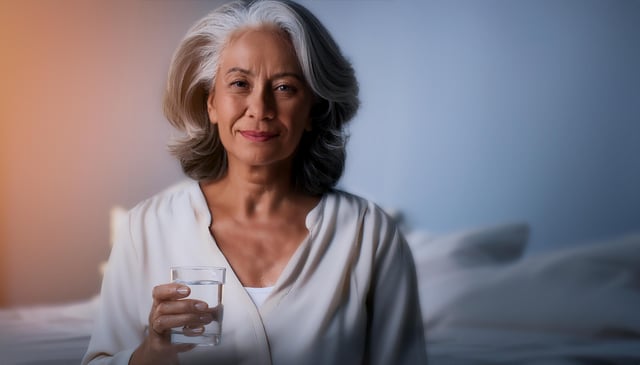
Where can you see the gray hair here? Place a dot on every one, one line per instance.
(320, 157)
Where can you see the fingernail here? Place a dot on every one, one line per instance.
(202, 306)
(183, 290)
(198, 330)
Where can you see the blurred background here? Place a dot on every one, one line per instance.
(473, 113)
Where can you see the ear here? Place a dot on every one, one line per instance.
(211, 108)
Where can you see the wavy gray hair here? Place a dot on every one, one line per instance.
(320, 157)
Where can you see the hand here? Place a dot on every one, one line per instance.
(170, 310)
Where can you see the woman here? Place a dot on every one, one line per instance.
(262, 94)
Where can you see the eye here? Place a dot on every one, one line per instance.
(241, 84)
(286, 88)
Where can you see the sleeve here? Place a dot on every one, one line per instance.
(396, 333)
(117, 329)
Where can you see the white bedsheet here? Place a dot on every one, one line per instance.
(501, 346)
(574, 306)
(46, 335)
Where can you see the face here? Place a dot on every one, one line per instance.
(260, 100)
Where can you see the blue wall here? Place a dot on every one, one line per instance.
(483, 112)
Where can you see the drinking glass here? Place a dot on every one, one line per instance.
(206, 284)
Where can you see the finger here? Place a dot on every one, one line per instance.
(171, 291)
(162, 324)
(192, 331)
(217, 312)
(182, 306)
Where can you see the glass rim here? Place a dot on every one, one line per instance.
(189, 267)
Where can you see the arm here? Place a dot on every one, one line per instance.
(117, 328)
(396, 334)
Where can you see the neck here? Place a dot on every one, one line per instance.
(251, 193)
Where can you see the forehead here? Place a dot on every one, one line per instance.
(260, 47)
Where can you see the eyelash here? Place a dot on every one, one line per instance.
(239, 83)
(284, 88)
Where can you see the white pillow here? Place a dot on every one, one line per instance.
(440, 260)
(589, 290)
(494, 245)
(117, 217)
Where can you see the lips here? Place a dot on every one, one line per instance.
(258, 136)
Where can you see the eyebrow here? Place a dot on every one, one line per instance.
(276, 76)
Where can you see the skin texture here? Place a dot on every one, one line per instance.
(260, 101)
(258, 220)
(170, 310)
(261, 105)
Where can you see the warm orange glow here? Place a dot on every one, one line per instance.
(81, 131)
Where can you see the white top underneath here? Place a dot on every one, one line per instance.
(259, 295)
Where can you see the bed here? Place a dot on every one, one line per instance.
(48, 334)
(483, 302)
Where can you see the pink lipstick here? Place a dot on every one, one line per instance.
(257, 136)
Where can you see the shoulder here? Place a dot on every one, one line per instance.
(183, 198)
(356, 205)
(359, 215)
(373, 233)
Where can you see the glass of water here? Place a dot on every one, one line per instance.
(206, 284)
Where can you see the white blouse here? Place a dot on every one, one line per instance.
(348, 295)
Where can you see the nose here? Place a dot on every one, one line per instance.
(261, 104)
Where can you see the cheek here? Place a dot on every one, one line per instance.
(229, 109)
(305, 118)
(300, 113)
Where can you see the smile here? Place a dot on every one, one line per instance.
(256, 136)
